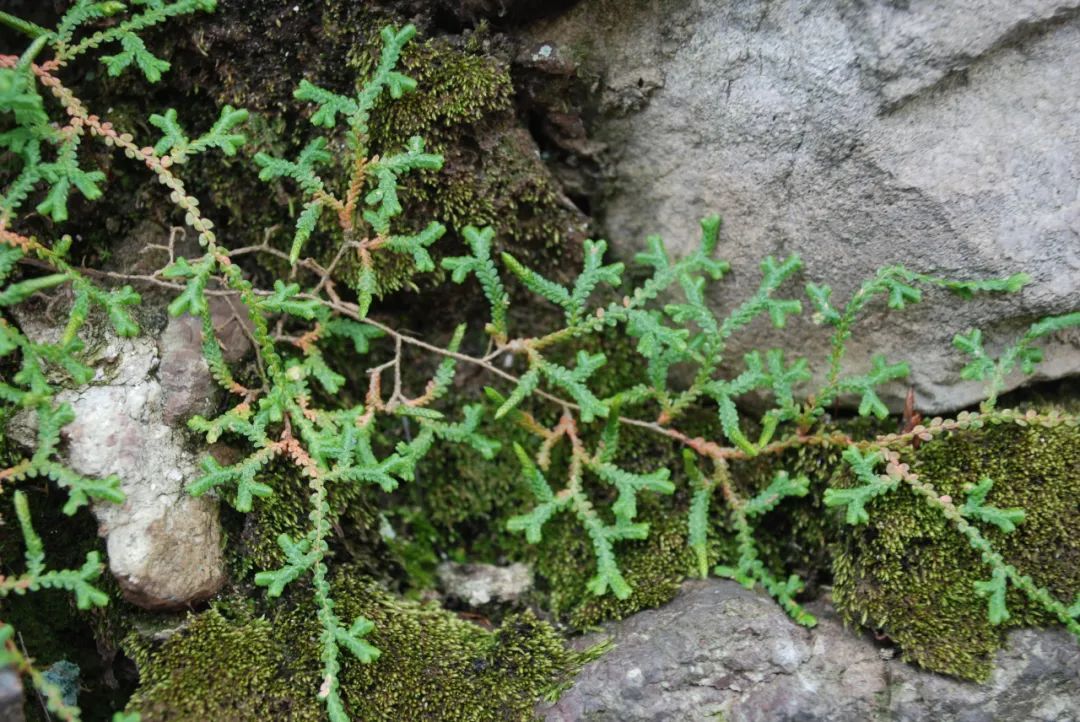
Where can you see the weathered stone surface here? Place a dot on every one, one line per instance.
(480, 584)
(856, 134)
(164, 546)
(1037, 677)
(719, 651)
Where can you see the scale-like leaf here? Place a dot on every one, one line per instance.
(360, 334)
(782, 486)
(135, 51)
(353, 640)
(283, 300)
(629, 484)
(573, 382)
(994, 590)
(298, 560)
(976, 507)
(480, 263)
(873, 485)
(329, 104)
(981, 365)
(824, 311)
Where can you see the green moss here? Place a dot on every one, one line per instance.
(436, 666)
(233, 665)
(654, 568)
(353, 508)
(218, 668)
(911, 575)
(492, 173)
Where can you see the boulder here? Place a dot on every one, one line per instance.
(857, 134)
(718, 651)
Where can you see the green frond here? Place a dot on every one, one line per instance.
(538, 284)
(329, 104)
(981, 365)
(975, 507)
(994, 590)
(820, 299)
(302, 170)
(881, 372)
(299, 558)
(417, 244)
(782, 486)
(629, 484)
(481, 265)
(655, 256)
(283, 300)
(774, 274)
(135, 51)
(698, 518)
(36, 576)
(242, 474)
(573, 383)
(360, 334)
(35, 550)
(729, 422)
(527, 383)
(175, 142)
(192, 299)
(80, 13)
(873, 485)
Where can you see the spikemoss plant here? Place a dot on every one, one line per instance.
(49, 167)
(572, 457)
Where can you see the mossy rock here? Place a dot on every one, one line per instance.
(463, 107)
(231, 665)
(911, 575)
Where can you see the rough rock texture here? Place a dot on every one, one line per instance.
(164, 546)
(719, 651)
(857, 134)
(480, 584)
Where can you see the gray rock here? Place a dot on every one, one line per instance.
(718, 651)
(857, 133)
(164, 546)
(1037, 677)
(480, 584)
(187, 386)
(11, 696)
